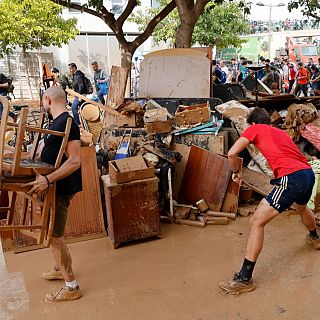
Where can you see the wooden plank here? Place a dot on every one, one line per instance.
(206, 177)
(19, 142)
(230, 202)
(5, 114)
(257, 181)
(180, 168)
(101, 106)
(85, 215)
(117, 88)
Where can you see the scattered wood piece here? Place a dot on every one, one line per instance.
(217, 221)
(243, 212)
(190, 223)
(231, 200)
(206, 177)
(221, 214)
(256, 181)
(202, 205)
(117, 88)
(187, 115)
(158, 127)
(182, 211)
(101, 106)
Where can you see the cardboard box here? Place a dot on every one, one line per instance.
(188, 115)
(130, 169)
(158, 127)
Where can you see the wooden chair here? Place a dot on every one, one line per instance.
(12, 163)
(35, 218)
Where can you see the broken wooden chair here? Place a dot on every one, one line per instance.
(35, 217)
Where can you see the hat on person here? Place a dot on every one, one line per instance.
(90, 112)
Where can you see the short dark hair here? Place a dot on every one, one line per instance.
(300, 64)
(259, 116)
(214, 62)
(72, 65)
(94, 62)
(55, 70)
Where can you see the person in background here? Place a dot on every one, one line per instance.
(234, 70)
(268, 78)
(291, 76)
(217, 75)
(4, 85)
(315, 80)
(78, 85)
(99, 77)
(225, 69)
(58, 80)
(135, 74)
(302, 80)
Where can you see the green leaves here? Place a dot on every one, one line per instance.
(32, 24)
(310, 8)
(220, 24)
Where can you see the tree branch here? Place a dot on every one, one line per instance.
(311, 14)
(67, 4)
(126, 13)
(199, 6)
(152, 24)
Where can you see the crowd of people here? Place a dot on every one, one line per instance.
(279, 74)
(260, 26)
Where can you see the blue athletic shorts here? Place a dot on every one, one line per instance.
(295, 187)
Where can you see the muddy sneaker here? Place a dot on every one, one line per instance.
(53, 274)
(64, 294)
(237, 285)
(314, 242)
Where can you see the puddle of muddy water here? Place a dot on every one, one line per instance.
(14, 298)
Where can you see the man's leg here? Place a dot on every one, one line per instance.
(242, 281)
(304, 89)
(309, 221)
(261, 217)
(62, 258)
(63, 262)
(297, 90)
(75, 109)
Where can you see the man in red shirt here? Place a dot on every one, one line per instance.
(302, 80)
(293, 182)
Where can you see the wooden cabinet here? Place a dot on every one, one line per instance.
(132, 209)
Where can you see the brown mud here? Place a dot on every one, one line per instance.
(176, 277)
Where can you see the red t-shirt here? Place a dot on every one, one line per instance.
(282, 154)
(302, 73)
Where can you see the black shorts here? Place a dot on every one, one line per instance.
(295, 187)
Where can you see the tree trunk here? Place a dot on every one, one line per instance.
(184, 34)
(126, 61)
(27, 73)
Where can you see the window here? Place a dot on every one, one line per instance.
(309, 51)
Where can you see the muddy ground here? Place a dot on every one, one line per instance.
(173, 278)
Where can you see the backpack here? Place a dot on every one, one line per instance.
(223, 77)
(87, 85)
